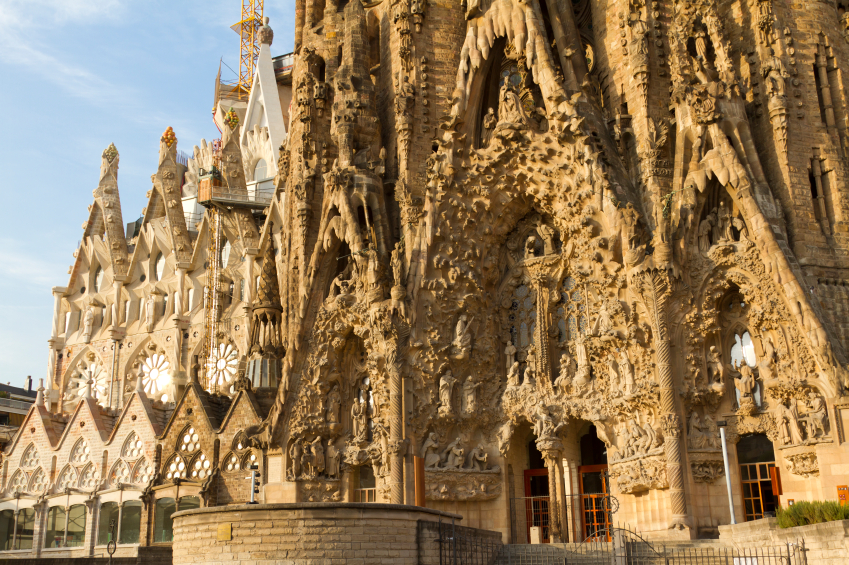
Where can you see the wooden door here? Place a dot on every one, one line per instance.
(594, 509)
(537, 502)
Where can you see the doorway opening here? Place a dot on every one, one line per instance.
(758, 475)
(593, 483)
(537, 497)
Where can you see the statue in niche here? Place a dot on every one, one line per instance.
(504, 435)
(470, 391)
(718, 232)
(374, 270)
(704, 69)
(150, 311)
(446, 393)
(88, 323)
(398, 264)
(711, 431)
(477, 459)
(583, 373)
(774, 73)
(715, 367)
(741, 228)
(333, 460)
(766, 365)
(567, 371)
(604, 323)
(318, 463)
(462, 338)
(817, 416)
(511, 113)
(530, 368)
(613, 373)
(544, 427)
(489, 122)
(429, 452)
(295, 454)
(345, 282)
(450, 454)
(695, 434)
(513, 375)
(626, 371)
(334, 403)
(404, 120)
(530, 247)
(745, 383)
(653, 438)
(788, 425)
(705, 230)
(359, 421)
(510, 352)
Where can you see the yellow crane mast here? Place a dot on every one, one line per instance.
(247, 27)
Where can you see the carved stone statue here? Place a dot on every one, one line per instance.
(463, 338)
(626, 371)
(477, 459)
(705, 229)
(510, 352)
(788, 425)
(817, 416)
(429, 452)
(359, 421)
(511, 113)
(582, 376)
(470, 390)
(530, 368)
(333, 460)
(513, 374)
(715, 367)
(398, 264)
(604, 322)
(295, 453)
(766, 364)
(745, 383)
(613, 373)
(695, 435)
(88, 323)
(489, 122)
(774, 73)
(567, 371)
(449, 454)
(334, 403)
(446, 393)
(317, 449)
(150, 311)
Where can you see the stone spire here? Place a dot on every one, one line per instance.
(266, 349)
(39, 397)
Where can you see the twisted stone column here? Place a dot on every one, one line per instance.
(396, 441)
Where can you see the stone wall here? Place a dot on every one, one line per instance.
(312, 532)
(826, 544)
(143, 556)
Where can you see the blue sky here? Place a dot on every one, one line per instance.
(77, 76)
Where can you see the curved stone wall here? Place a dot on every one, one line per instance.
(315, 532)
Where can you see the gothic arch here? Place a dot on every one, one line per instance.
(66, 478)
(85, 365)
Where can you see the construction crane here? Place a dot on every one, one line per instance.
(246, 27)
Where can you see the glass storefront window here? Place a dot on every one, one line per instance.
(163, 528)
(25, 528)
(108, 512)
(76, 525)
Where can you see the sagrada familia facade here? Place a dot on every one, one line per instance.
(516, 252)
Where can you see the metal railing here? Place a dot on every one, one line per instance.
(16, 404)
(257, 198)
(585, 516)
(192, 218)
(464, 546)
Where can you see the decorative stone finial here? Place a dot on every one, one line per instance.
(140, 385)
(39, 397)
(88, 388)
(169, 138)
(231, 119)
(265, 33)
(110, 153)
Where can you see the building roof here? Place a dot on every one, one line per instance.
(18, 391)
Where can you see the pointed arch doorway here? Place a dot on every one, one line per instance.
(593, 485)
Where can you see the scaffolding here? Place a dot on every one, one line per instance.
(247, 27)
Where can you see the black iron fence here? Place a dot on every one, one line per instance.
(457, 545)
(584, 516)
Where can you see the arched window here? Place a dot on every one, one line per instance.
(126, 311)
(160, 266)
(260, 171)
(163, 525)
(109, 512)
(7, 529)
(98, 279)
(523, 316)
(572, 313)
(743, 349)
(165, 305)
(130, 522)
(366, 490)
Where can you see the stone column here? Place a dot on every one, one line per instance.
(396, 441)
(656, 293)
(552, 453)
(178, 296)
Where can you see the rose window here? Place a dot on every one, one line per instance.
(30, 458)
(223, 364)
(67, 479)
(19, 482)
(81, 453)
(120, 474)
(38, 483)
(572, 313)
(177, 469)
(190, 441)
(132, 448)
(233, 463)
(142, 474)
(156, 376)
(89, 479)
(88, 370)
(200, 469)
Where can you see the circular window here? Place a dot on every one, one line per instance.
(142, 278)
(82, 290)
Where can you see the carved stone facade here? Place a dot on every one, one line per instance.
(513, 231)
